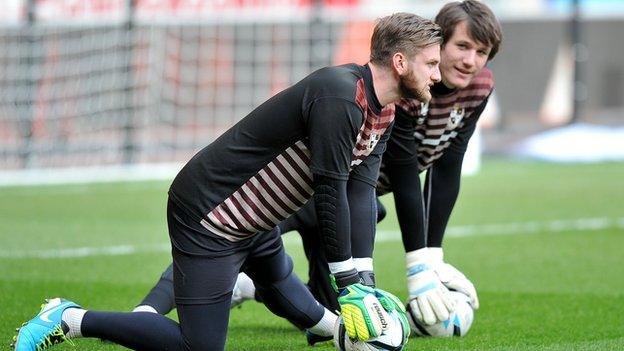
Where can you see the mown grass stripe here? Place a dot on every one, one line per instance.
(514, 228)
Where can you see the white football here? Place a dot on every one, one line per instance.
(458, 323)
(393, 338)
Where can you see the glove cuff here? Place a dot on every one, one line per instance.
(417, 257)
(367, 278)
(436, 255)
(344, 279)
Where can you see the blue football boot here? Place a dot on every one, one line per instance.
(46, 329)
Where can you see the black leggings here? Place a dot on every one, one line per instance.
(204, 272)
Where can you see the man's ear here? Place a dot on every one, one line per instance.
(399, 63)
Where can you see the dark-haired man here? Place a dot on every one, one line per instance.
(433, 137)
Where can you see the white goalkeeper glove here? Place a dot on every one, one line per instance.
(429, 299)
(452, 278)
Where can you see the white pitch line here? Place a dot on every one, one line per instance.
(513, 228)
(78, 252)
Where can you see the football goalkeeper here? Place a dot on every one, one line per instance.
(427, 137)
(433, 138)
(309, 140)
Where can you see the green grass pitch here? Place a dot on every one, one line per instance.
(543, 243)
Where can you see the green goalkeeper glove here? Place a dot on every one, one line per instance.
(389, 301)
(392, 303)
(363, 315)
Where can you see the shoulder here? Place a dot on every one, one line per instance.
(335, 78)
(477, 91)
(337, 84)
(483, 81)
(410, 106)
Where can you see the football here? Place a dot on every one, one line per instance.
(458, 323)
(393, 338)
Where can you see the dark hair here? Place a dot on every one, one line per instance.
(482, 24)
(402, 32)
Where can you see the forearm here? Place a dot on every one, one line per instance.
(409, 205)
(332, 211)
(363, 211)
(442, 190)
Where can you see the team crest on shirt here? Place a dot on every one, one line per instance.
(456, 116)
(424, 110)
(374, 138)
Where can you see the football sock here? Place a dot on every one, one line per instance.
(73, 318)
(246, 286)
(325, 327)
(145, 308)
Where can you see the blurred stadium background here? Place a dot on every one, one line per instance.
(122, 89)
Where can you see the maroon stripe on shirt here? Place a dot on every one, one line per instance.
(224, 223)
(301, 154)
(477, 99)
(256, 210)
(291, 179)
(298, 168)
(273, 194)
(219, 227)
(245, 214)
(228, 211)
(264, 201)
(282, 187)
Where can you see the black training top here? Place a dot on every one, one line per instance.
(260, 171)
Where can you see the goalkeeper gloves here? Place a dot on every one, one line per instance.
(428, 297)
(389, 302)
(452, 278)
(363, 315)
(392, 303)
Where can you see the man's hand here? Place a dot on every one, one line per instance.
(453, 279)
(363, 314)
(389, 302)
(428, 297)
(392, 303)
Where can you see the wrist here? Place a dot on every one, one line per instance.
(363, 263)
(436, 255)
(344, 279)
(342, 266)
(417, 258)
(343, 274)
(367, 278)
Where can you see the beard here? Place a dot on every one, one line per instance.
(408, 87)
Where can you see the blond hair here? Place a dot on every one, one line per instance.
(402, 32)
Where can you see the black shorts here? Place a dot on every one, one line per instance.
(205, 265)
